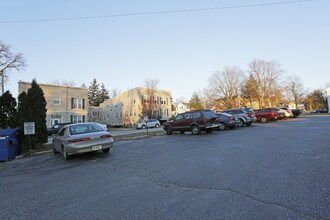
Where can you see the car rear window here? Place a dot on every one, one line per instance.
(84, 128)
(209, 114)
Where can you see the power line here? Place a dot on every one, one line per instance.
(154, 12)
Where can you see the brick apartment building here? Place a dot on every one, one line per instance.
(64, 103)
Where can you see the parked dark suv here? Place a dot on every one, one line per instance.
(194, 121)
(55, 128)
(246, 116)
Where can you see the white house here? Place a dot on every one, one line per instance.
(182, 107)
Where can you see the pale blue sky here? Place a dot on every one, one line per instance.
(181, 50)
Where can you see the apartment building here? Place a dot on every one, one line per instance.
(128, 107)
(64, 103)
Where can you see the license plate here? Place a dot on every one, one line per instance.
(97, 147)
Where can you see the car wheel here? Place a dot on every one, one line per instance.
(143, 127)
(157, 125)
(241, 123)
(222, 126)
(54, 150)
(263, 119)
(106, 150)
(169, 130)
(65, 154)
(195, 129)
(209, 130)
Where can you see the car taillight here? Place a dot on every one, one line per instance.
(230, 118)
(106, 136)
(78, 140)
(248, 114)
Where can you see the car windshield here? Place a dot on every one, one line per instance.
(84, 128)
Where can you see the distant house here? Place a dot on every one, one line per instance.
(64, 103)
(128, 107)
(182, 107)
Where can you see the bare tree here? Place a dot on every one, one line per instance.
(180, 100)
(295, 88)
(266, 74)
(207, 98)
(151, 106)
(63, 83)
(9, 61)
(225, 85)
(113, 93)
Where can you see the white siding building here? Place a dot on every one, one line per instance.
(128, 107)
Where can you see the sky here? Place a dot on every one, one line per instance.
(180, 49)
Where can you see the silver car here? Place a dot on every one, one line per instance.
(81, 138)
(149, 123)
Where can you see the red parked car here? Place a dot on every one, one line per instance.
(266, 114)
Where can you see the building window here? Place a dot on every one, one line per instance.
(55, 119)
(77, 118)
(56, 100)
(77, 103)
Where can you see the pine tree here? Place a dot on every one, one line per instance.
(250, 90)
(103, 94)
(195, 102)
(36, 112)
(94, 93)
(8, 111)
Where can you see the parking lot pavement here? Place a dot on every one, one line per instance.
(275, 170)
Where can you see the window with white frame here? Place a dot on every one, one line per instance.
(56, 100)
(77, 118)
(77, 103)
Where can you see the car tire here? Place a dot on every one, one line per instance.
(157, 126)
(263, 120)
(54, 150)
(143, 127)
(195, 129)
(169, 130)
(222, 126)
(65, 154)
(241, 123)
(209, 130)
(106, 150)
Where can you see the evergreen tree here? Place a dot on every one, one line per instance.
(22, 108)
(250, 90)
(36, 112)
(103, 94)
(94, 94)
(195, 102)
(97, 95)
(8, 111)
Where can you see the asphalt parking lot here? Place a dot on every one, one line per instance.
(275, 170)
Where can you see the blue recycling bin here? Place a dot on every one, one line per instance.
(8, 144)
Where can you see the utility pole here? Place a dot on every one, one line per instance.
(2, 82)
